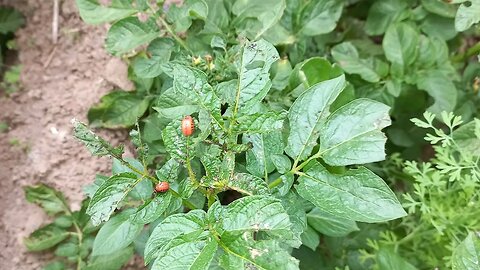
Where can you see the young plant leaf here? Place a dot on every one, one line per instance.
(346, 55)
(118, 109)
(188, 255)
(129, 33)
(253, 18)
(189, 225)
(192, 84)
(46, 237)
(306, 114)
(115, 235)
(109, 195)
(152, 209)
(322, 12)
(331, 225)
(260, 122)
(10, 20)
(254, 82)
(358, 194)
(264, 146)
(51, 200)
(158, 52)
(93, 12)
(466, 255)
(248, 184)
(352, 134)
(467, 14)
(95, 144)
(111, 261)
(400, 44)
(257, 213)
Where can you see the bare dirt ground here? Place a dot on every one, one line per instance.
(59, 82)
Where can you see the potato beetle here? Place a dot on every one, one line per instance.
(162, 187)
(188, 126)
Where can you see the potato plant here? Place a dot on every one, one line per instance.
(258, 128)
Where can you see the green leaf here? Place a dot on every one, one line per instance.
(158, 53)
(467, 15)
(436, 26)
(10, 20)
(329, 224)
(67, 250)
(441, 88)
(320, 17)
(382, 14)
(257, 213)
(143, 190)
(352, 134)
(400, 44)
(169, 171)
(118, 233)
(111, 261)
(310, 238)
(358, 194)
(306, 114)
(346, 55)
(171, 105)
(152, 209)
(281, 162)
(56, 265)
(129, 33)
(254, 77)
(441, 8)
(189, 255)
(467, 139)
(51, 200)
(95, 144)
(182, 16)
(176, 143)
(295, 207)
(466, 255)
(95, 13)
(192, 84)
(259, 161)
(248, 184)
(118, 109)
(109, 195)
(389, 259)
(263, 122)
(253, 17)
(185, 226)
(262, 255)
(45, 237)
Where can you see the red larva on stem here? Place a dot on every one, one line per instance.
(162, 187)
(188, 126)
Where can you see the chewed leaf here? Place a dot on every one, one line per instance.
(109, 195)
(254, 77)
(248, 184)
(95, 144)
(51, 200)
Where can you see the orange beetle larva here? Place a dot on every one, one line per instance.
(188, 126)
(162, 187)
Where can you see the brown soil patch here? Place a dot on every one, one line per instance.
(59, 82)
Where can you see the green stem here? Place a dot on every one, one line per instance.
(211, 197)
(175, 36)
(475, 49)
(275, 183)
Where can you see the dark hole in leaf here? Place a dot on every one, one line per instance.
(230, 196)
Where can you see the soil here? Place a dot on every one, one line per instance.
(58, 82)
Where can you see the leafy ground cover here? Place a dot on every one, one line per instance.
(312, 144)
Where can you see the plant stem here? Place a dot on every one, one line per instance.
(175, 36)
(275, 183)
(475, 49)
